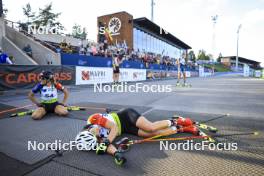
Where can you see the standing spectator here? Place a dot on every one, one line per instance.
(4, 59)
(94, 50)
(181, 69)
(88, 49)
(27, 49)
(117, 60)
(82, 50)
(105, 47)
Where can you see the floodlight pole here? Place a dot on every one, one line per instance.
(214, 19)
(152, 10)
(238, 29)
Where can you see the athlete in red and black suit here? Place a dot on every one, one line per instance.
(106, 127)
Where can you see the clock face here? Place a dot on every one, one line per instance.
(114, 25)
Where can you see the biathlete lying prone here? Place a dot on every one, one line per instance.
(102, 129)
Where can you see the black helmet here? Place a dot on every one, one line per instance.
(46, 75)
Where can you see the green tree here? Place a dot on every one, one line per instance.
(47, 18)
(28, 13)
(202, 55)
(219, 57)
(210, 56)
(191, 56)
(79, 32)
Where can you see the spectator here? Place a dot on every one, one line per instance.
(82, 50)
(69, 48)
(4, 59)
(58, 49)
(94, 50)
(63, 44)
(105, 48)
(66, 47)
(27, 49)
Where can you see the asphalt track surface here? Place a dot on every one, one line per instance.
(243, 98)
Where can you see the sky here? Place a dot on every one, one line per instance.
(188, 20)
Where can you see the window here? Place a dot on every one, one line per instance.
(147, 42)
(140, 39)
(135, 39)
(151, 44)
(160, 47)
(155, 45)
(144, 41)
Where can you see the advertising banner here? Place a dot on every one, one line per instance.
(159, 74)
(201, 71)
(156, 74)
(127, 75)
(246, 70)
(258, 73)
(93, 75)
(188, 74)
(21, 76)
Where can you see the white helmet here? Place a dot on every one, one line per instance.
(85, 140)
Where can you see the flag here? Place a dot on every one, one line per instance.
(108, 36)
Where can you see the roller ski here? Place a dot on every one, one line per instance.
(30, 112)
(188, 122)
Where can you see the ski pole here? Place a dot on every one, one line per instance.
(98, 108)
(172, 139)
(215, 118)
(13, 109)
(29, 112)
(237, 134)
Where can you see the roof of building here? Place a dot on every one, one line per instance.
(154, 28)
(242, 59)
(115, 14)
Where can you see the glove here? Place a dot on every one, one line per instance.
(119, 158)
(106, 141)
(102, 147)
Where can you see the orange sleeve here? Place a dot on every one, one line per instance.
(59, 86)
(98, 119)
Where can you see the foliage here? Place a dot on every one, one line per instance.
(47, 18)
(191, 56)
(79, 32)
(202, 55)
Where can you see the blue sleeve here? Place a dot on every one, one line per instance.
(37, 88)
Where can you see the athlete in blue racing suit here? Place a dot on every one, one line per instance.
(48, 89)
